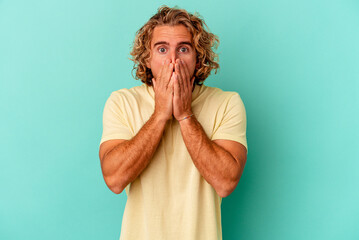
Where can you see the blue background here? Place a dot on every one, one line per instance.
(294, 63)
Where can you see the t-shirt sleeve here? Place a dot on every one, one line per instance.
(114, 120)
(234, 123)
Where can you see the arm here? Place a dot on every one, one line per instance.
(122, 161)
(220, 162)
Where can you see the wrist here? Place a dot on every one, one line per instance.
(160, 118)
(185, 116)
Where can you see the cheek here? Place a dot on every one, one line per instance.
(190, 62)
(191, 65)
(156, 67)
(157, 60)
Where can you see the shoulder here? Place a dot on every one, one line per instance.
(129, 94)
(134, 91)
(219, 95)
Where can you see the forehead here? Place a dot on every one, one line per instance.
(171, 34)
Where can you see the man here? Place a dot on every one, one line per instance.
(175, 145)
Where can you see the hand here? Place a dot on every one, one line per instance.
(163, 88)
(182, 90)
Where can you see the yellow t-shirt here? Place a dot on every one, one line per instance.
(170, 200)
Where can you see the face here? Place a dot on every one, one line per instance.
(171, 42)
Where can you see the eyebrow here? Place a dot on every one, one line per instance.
(166, 43)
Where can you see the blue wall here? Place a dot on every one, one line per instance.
(294, 63)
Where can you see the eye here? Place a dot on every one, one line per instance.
(162, 50)
(183, 49)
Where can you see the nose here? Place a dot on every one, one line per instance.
(173, 56)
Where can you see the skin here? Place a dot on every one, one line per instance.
(173, 62)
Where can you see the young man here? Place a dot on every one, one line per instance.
(175, 145)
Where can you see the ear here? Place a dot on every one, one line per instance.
(148, 65)
(197, 63)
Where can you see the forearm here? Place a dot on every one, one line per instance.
(216, 165)
(123, 163)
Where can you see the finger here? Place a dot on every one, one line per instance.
(185, 69)
(162, 78)
(161, 71)
(185, 80)
(167, 71)
(170, 85)
(176, 88)
(185, 77)
(177, 71)
(169, 74)
(179, 76)
(179, 79)
(192, 83)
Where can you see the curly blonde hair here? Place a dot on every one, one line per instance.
(203, 42)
